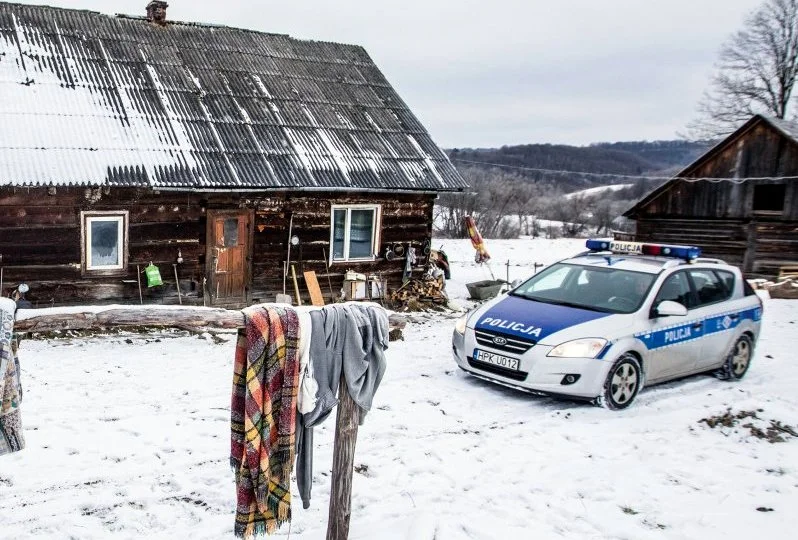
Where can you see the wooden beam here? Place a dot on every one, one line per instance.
(49, 320)
(187, 317)
(346, 425)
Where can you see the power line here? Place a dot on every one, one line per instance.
(626, 176)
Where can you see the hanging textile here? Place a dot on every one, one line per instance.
(477, 241)
(308, 388)
(348, 339)
(410, 260)
(11, 436)
(263, 416)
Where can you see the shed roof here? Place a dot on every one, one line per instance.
(90, 99)
(786, 128)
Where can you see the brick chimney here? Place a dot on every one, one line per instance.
(156, 11)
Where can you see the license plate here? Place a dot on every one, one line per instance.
(496, 359)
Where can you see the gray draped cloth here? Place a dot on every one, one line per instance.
(350, 339)
(11, 437)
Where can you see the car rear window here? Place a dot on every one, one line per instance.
(727, 278)
(747, 289)
(708, 287)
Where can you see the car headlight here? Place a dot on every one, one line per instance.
(579, 348)
(460, 325)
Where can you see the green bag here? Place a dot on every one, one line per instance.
(153, 276)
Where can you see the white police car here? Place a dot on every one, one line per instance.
(601, 325)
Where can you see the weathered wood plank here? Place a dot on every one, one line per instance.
(28, 320)
(346, 426)
(187, 317)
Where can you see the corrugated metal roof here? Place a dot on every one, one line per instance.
(88, 99)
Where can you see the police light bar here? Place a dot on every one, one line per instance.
(640, 248)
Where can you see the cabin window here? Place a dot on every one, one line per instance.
(769, 197)
(354, 232)
(104, 237)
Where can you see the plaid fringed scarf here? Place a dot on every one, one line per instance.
(263, 415)
(11, 437)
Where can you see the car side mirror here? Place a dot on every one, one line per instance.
(515, 283)
(669, 308)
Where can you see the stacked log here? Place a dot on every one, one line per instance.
(418, 294)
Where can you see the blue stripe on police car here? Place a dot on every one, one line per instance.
(697, 328)
(533, 320)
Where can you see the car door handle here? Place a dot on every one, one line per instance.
(734, 317)
(698, 326)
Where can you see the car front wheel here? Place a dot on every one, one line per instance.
(738, 361)
(622, 383)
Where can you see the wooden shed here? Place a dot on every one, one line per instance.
(201, 149)
(738, 202)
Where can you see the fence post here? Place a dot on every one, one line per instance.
(346, 425)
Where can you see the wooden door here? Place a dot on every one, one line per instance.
(229, 243)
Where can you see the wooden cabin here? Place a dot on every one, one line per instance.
(201, 149)
(750, 217)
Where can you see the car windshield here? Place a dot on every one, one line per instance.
(603, 288)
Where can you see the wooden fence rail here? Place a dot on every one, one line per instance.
(188, 317)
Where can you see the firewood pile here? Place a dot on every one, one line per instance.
(419, 294)
(785, 288)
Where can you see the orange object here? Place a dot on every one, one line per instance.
(312, 283)
(476, 240)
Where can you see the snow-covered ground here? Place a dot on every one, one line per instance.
(128, 438)
(590, 192)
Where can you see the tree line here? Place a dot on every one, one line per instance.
(506, 205)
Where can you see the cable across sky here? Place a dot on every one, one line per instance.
(625, 176)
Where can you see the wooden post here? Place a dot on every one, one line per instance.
(177, 282)
(296, 286)
(749, 255)
(346, 424)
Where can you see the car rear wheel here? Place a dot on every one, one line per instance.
(622, 383)
(738, 361)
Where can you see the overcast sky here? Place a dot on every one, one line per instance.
(493, 72)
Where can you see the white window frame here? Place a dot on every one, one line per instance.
(86, 218)
(375, 231)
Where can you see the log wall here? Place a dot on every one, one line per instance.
(40, 240)
(724, 239)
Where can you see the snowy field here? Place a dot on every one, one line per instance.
(127, 437)
(590, 192)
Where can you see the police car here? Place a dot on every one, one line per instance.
(603, 324)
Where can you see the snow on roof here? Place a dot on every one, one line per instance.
(88, 99)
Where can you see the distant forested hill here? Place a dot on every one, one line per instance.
(622, 158)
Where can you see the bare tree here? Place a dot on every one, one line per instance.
(605, 212)
(574, 212)
(494, 199)
(756, 72)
